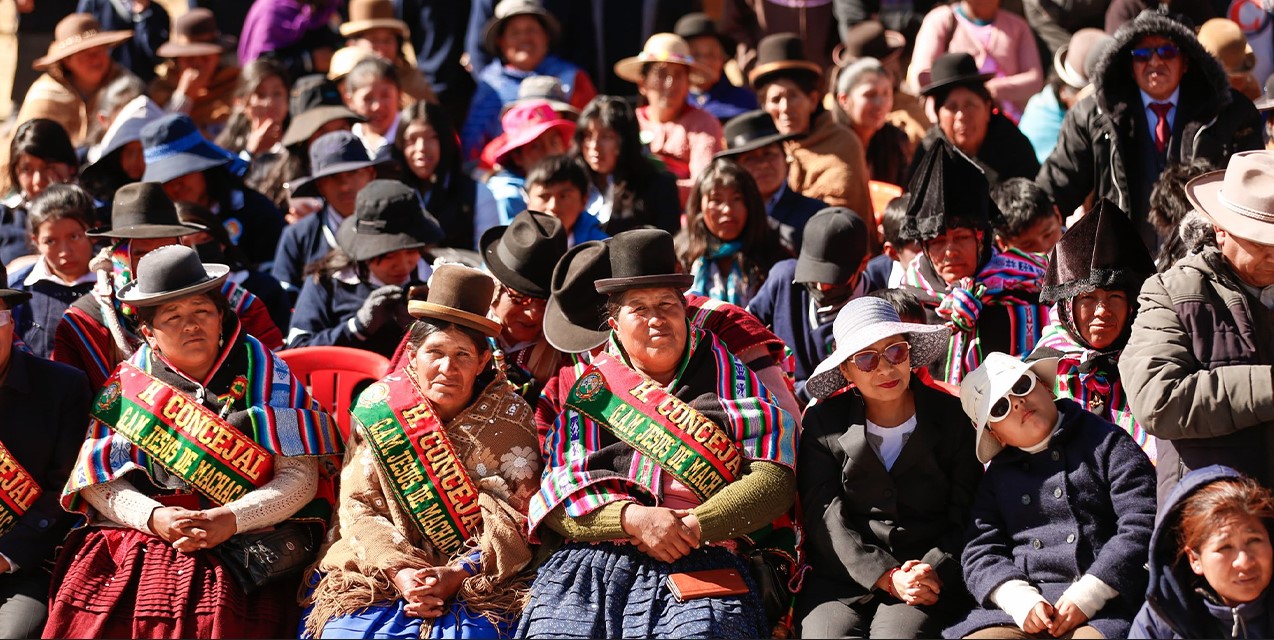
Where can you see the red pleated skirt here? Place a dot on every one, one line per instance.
(122, 583)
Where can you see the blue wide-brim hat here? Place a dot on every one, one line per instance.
(173, 147)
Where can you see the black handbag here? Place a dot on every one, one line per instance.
(772, 574)
(258, 558)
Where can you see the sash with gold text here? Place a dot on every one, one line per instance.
(181, 434)
(662, 427)
(424, 471)
(18, 490)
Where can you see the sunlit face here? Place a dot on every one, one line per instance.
(377, 101)
(562, 200)
(447, 364)
(268, 103)
(395, 267)
(341, 190)
(547, 144)
(1030, 420)
(725, 212)
(1252, 262)
(186, 331)
(191, 187)
(767, 166)
(422, 149)
(138, 247)
(65, 247)
(665, 86)
(1158, 77)
(132, 160)
(1235, 559)
(954, 254)
(651, 326)
(869, 102)
(1101, 315)
(37, 174)
(1040, 237)
(788, 105)
(707, 51)
(383, 41)
(524, 42)
(600, 148)
(521, 317)
(886, 383)
(88, 68)
(964, 117)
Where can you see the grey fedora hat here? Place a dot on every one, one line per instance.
(863, 321)
(143, 210)
(169, 273)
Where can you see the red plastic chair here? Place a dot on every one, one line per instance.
(334, 375)
(881, 194)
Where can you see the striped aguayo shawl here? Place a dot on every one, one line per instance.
(269, 405)
(1011, 281)
(587, 466)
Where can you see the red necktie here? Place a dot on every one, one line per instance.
(1162, 133)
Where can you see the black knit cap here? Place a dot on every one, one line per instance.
(1101, 251)
(949, 191)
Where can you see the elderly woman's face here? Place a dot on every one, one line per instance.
(186, 331)
(1100, 315)
(964, 117)
(886, 381)
(447, 363)
(788, 105)
(954, 254)
(1236, 559)
(651, 325)
(869, 102)
(665, 86)
(524, 42)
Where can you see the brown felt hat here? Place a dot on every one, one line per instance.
(75, 33)
(461, 295)
(195, 33)
(365, 15)
(642, 259)
(781, 54)
(522, 254)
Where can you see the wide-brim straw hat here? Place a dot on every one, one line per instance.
(860, 323)
(662, 47)
(345, 59)
(1224, 39)
(75, 33)
(984, 386)
(509, 9)
(365, 15)
(1239, 199)
(461, 295)
(169, 273)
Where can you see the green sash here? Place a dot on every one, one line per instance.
(684, 443)
(424, 471)
(181, 434)
(18, 490)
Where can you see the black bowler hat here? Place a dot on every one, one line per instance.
(461, 295)
(643, 259)
(698, 25)
(953, 70)
(869, 39)
(522, 255)
(832, 247)
(575, 319)
(334, 152)
(750, 131)
(781, 54)
(387, 218)
(143, 210)
(13, 297)
(169, 273)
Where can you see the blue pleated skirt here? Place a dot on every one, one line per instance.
(610, 590)
(390, 622)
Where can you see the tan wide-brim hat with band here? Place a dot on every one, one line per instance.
(195, 33)
(461, 295)
(75, 33)
(661, 47)
(365, 15)
(1239, 199)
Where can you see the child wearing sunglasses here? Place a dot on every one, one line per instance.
(1062, 520)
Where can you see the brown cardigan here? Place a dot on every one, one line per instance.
(829, 164)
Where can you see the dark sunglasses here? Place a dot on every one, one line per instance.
(896, 353)
(1024, 385)
(1164, 51)
(519, 299)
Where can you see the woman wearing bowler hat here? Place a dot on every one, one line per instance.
(398, 569)
(99, 330)
(166, 505)
(356, 295)
(631, 515)
(886, 476)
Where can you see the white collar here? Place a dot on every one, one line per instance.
(41, 271)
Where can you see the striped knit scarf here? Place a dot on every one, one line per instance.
(1010, 279)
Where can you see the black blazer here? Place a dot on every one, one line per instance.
(861, 520)
(43, 418)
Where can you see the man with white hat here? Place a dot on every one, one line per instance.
(1197, 368)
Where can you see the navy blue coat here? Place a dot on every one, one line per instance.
(784, 307)
(36, 320)
(323, 313)
(45, 406)
(1086, 504)
(254, 225)
(302, 242)
(791, 212)
(1174, 608)
(150, 29)
(878, 271)
(14, 240)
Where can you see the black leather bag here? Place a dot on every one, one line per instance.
(258, 558)
(772, 574)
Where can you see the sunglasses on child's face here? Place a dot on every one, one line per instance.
(1164, 51)
(896, 353)
(1024, 385)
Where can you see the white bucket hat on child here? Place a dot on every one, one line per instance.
(863, 321)
(992, 381)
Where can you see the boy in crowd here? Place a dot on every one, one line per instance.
(558, 186)
(885, 270)
(1030, 220)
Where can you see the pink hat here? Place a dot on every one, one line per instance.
(527, 121)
